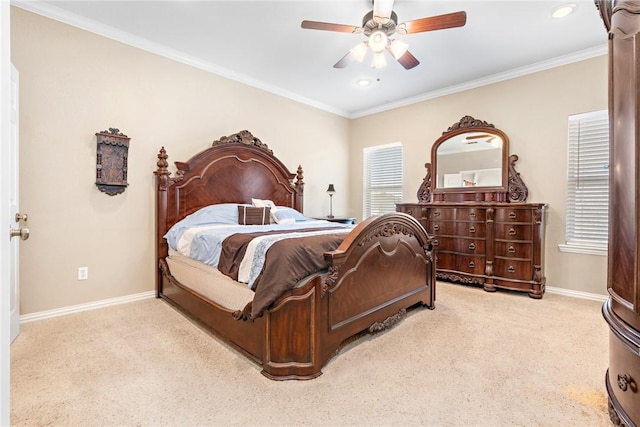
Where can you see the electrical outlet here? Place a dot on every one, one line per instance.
(83, 273)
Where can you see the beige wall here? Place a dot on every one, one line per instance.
(74, 83)
(532, 111)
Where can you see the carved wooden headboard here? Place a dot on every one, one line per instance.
(235, 169)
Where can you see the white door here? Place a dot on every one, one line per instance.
(5, 178)
(19, 230)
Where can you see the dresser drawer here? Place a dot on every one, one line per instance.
(446, 228)
(513, 268)
(514, 231)
(624, 376)
(437, 214)
(470, 246)
(513, 249)
(470, 214)
(441, 243)
(462, 229)
(445, 261)
(415, 211)
(514, 215)
(471, 229)
(470, 264)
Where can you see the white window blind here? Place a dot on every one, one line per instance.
(382, 179)
(588, 182)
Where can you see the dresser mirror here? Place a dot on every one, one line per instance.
(470, 159)
(471, 162)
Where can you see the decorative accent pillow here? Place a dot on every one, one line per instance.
(249, 215)
(259, 203)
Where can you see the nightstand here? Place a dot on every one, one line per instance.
(340, 220)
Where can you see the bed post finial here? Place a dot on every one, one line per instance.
(299, 187)
(162, 163)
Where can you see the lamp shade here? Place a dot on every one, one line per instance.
(331, 189)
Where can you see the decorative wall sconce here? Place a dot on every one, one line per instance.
(112, 161)
(331, 191)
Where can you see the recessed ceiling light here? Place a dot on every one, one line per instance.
(364, 82)
(562, 11)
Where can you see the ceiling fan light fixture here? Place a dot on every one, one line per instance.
(379, 61)
(398, 48)
(358, 52)
(378, 41)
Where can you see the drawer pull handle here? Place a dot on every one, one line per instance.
(472, 214)
(436, 227)
(512, 232)
(472, 264)
(472, 246)
(472, 229)
(512, 215)
(511, 250)
(436, 243)
(626, 382)
(436, 213)
(511, 269)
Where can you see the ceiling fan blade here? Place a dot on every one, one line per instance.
(408, 61)
(345, 60)
(382, 8)
(432, 23)
(327, 26)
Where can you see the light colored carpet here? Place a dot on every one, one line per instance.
(482, 359)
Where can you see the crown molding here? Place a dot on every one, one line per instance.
(495, 78)
(52, 12)
(49, 11)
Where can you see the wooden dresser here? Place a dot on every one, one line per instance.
(622, 310)
(473, 202)
(497, 245)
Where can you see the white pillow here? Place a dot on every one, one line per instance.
(259, 203)
(285, 215)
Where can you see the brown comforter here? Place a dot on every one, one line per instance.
(286, 262)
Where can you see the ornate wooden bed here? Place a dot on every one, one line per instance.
(383, 266)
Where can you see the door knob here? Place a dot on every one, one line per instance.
(23, 233)
(21, 217)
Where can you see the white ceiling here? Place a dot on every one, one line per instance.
(261, 43)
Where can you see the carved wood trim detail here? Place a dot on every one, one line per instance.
(614, 417)
(242, 137)
(424, 192)
(518, 191)
(389, 322)
(467, 122)
(386, 230)
(329, 280)
(459, 278)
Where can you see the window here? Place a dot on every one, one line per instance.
(588, 183)
(382, 179)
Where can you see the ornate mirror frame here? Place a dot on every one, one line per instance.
(511, 189)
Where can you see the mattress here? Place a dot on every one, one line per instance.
(209, 282)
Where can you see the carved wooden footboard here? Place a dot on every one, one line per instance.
(382, 268)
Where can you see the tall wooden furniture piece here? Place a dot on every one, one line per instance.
(472, 201)
(622, 309)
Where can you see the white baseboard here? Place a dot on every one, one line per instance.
(151, 294)
(84, 307)
(576, 294)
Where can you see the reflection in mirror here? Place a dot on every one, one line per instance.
(470, 159)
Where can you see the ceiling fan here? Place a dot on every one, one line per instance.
(379, 25)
